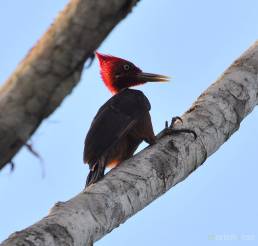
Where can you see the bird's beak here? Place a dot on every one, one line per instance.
(151, 77)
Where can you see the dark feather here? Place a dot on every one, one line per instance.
(115, 130)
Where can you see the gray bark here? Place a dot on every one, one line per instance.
(96, 211)
(52, 68)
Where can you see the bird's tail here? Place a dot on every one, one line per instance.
(95, 174)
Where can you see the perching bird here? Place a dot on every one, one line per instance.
(123, 122)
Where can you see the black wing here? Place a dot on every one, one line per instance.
(113, 120)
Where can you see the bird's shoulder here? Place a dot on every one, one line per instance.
(130, 102)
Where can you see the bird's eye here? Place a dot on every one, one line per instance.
(126, 67)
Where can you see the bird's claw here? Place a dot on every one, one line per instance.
(169, 129)
(166, 124)
(173, 121)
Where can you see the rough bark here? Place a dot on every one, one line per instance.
(52, 68)
(215, 116)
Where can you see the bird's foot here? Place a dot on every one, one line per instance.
(169, 129)
(172, 123)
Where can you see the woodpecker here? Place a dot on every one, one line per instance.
(124, 121)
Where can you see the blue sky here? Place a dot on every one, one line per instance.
(192, 41)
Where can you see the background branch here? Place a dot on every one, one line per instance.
(52, 68)
(215, 116)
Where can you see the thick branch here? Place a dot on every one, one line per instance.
(215, 116)
(52, 68)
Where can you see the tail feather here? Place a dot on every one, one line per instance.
(95, 175)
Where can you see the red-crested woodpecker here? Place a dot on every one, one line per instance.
(124, 121)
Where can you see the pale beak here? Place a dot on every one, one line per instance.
(151, 77)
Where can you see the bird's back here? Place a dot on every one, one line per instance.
(113, 121)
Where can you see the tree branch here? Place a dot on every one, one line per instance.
(125, 190)
(52, 68)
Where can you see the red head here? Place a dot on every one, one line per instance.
(118, 73)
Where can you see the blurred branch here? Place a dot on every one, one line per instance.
(125, 190)
(53, 68)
